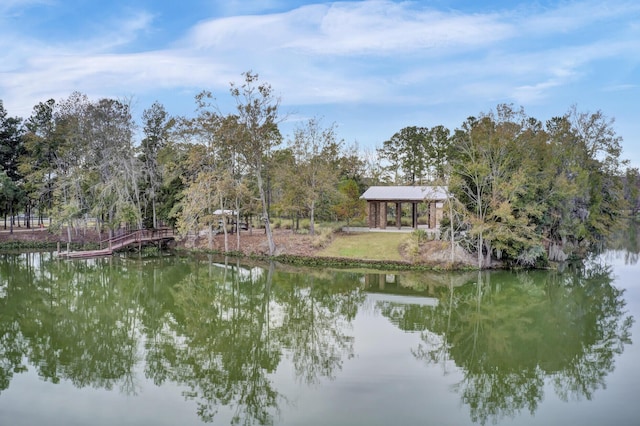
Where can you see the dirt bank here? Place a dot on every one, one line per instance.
(288, 244)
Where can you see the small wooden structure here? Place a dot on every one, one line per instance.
(138, 238)
(379, 197)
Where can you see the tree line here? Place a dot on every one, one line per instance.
(521, 191)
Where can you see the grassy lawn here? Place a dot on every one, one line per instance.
(371, 245)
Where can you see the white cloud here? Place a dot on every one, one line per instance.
(376, 52)
(374, 27)
(115, 32)
(127, 29)
(382, 28)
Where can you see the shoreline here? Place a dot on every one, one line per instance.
(298, 249)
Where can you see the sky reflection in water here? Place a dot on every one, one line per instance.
(177, 341)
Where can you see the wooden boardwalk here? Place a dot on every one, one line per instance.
(133, 238)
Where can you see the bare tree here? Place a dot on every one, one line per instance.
(258, 118)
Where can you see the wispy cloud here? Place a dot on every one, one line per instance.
(124, 30)
(359, 28)
(374, 52)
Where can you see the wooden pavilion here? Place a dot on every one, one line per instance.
(379, 197)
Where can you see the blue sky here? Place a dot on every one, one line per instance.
(370, 67)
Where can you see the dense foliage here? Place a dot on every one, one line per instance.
(535, 192)
(522, 191)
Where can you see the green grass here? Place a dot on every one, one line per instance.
(371, 246)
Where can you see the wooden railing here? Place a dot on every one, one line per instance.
(138, 236)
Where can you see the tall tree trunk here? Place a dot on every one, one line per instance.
(265, 214)
(312, 228)
(11, 220)
(480, 218)
(451, 230)
(69, 236)
(224, 224)
(153, 208)
(487, 259)
(237, 223)
(479, 248)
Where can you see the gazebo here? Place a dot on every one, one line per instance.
(379, 197)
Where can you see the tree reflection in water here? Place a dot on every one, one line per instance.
(72, 323)
(227, 351)
(235, 332)
(221, 330)
(627, 242)
(510, 334)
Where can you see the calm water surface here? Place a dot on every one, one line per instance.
(185, 341)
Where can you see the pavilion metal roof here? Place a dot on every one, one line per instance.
(405, 193)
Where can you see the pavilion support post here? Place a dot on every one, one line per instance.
(382, 206)
(373, 214)
(399, 215)
(414, 215)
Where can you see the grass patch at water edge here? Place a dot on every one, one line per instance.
(370, 245)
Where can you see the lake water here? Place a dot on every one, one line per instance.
(185, 341)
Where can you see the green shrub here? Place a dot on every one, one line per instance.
(420, 236)
(323, 237)
(150, 251)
